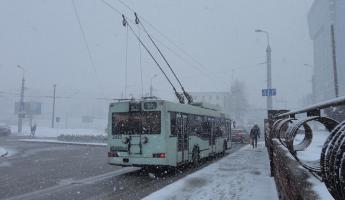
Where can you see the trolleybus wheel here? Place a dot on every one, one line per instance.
(196, 156)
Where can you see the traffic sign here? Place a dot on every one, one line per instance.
(269, 92)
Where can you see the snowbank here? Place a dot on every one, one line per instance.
(320, 188)
(54, 132)
(241, 175)
(3, 152)
(62, 142)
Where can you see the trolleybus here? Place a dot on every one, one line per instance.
(153, 132)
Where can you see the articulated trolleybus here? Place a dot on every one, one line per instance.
(153, 132)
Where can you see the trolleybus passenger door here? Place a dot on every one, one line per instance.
(182, 138)
(212, 139)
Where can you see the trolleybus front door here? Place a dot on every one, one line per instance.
(182, 138)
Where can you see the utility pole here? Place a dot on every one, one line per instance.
(53, 113)
(21, 103)
(269, 76)
(334, 57)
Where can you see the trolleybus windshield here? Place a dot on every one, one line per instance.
(131, 123)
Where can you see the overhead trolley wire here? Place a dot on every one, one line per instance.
(86, 45)
(189, 98)
(180, 98)
(125, 22)
(197, 65)
(112, 7)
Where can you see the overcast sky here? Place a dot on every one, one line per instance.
(44, 37)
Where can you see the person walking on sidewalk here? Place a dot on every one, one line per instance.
(33, 130)
(254, 135)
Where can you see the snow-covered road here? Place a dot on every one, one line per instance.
(242, 175)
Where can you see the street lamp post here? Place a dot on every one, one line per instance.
(21, 102)
(151, 88)
(269, 102)
(53, 113)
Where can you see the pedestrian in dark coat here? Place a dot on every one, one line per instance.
(254, 135)
(33, 130)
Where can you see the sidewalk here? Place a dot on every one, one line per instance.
(243, 175)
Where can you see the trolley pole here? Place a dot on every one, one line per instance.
(53, 113)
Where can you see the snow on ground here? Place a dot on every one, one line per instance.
(320, 188)
(241, 175)
(63, 142)
(54, 132)
(3, 152)
(313, 152)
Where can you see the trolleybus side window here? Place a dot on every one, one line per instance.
(173, 127)
(136, 123)
(206, 128)
(195, 124)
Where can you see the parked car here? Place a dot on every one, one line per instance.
(4, 130)
(240, 136)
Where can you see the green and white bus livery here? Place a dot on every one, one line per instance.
(155, 132)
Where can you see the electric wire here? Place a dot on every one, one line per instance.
(197, 65)
(86, 45)
(112, 7)
(151, 55)
(189, 98)
(125, 22)
(153, 42)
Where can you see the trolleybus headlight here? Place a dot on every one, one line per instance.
(125, 140)
(145, 140)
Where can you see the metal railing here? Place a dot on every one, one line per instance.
(330, 168)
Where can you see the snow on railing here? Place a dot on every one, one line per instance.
(330, 168)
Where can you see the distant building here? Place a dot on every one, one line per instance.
(323, 15)
(221, 99)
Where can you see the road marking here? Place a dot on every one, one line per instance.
(69, 184)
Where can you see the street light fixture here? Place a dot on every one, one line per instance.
(23, 70)
(265, 32)
(269, 72)
(151, 88)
